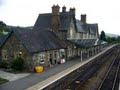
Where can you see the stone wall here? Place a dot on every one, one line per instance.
(13, 48)
(48, 58)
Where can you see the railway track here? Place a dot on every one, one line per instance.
(74, 85)
(109, 82)
(95, 80)
(75, 79)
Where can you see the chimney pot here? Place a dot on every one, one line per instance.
(55, 9)
(72, 10)
(63, 9)
(83, 18)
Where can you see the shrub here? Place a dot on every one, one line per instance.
(3, 64)
(18, 64)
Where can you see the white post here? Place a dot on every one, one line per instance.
(92, 51)
(81, 55)
(95, 50)
(88, 53)
(78, 52)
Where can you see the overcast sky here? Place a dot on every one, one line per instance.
(25, 12)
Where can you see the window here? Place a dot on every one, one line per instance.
(55, 56)
(41, 58)
(81, 35)
(19, 54)
(70, 51)
(71, 33)
(62, 52)
(55, 53)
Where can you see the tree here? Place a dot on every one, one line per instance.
(102, 36)
(3, 28)
(2, 24)
(111, 39)
(118, 39)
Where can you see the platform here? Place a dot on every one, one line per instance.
(52, 79)
(119, 86)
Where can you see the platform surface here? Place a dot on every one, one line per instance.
(61, 74)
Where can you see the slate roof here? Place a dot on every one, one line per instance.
(99, 42)
(80, 26)
(87, 42)
(2, 38)
(85, 27)
(44, 21)
(93, 28)
(38, 40)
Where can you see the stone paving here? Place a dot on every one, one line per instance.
(11, 76)
(52, 79)
(26, 82)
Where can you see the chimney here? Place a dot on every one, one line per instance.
(72, 10)
(55, 10)
(83, 18)
(55, 19)
(63, 9)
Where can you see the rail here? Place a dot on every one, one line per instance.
(109, 77)
(73, 85)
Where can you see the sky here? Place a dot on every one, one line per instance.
(25, 12)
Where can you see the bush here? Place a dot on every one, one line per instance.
(18, 64)
(4, 64)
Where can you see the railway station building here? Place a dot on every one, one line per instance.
(35, 47)
(55, 38)
(80, 37)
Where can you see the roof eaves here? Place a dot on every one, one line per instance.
(6, 38)
(16, 33)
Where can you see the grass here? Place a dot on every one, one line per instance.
(3, 80)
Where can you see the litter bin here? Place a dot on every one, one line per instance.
(38, 69)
